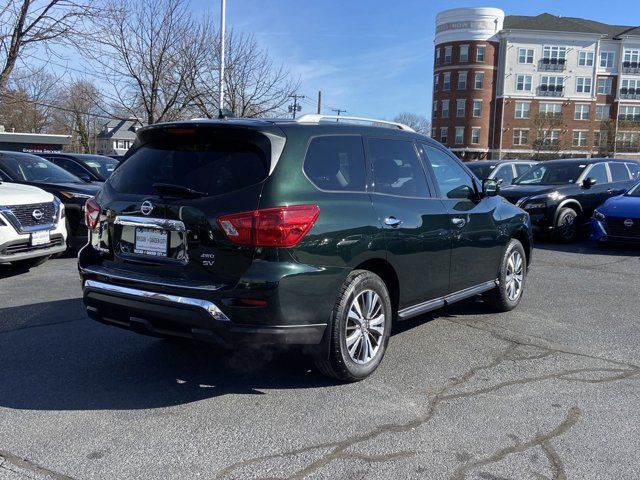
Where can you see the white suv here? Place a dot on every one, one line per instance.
(32, 226)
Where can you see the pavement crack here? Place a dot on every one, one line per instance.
(29, 466)
(539, 440)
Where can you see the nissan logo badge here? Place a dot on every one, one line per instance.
(146, 208)
(627, 223)
(37, 214)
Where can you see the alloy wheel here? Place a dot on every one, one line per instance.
(568, 226)
(515, 275)
(365, 327)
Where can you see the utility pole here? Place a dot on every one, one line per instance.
(338, 111)
(223, 12)
(295, 108)
(319, 101)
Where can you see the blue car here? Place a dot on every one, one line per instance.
(618, 219)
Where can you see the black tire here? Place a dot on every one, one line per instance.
(340, 363)
(566, 227)
(499, 299)
(30, 262)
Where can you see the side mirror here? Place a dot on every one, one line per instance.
(490, 187)
(588, 182)
(500, 180)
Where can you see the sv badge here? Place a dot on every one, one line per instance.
(207, 259)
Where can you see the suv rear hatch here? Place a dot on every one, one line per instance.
(158, 211)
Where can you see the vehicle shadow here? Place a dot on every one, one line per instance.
(7, 270)
(53, 357)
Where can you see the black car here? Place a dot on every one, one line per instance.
(505, 171)
(72, 191)
(87, 167)
(301, 232)
(561, 195)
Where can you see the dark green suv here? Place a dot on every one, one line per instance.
(302, 232)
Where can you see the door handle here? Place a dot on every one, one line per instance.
(459, 222)
(392, 222)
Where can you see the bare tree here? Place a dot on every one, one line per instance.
(254, 85)
(27, 24)
(549, 130)
(419, 123)
(148, 51)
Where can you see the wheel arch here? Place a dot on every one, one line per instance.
(525, 239)
(387, 273)
(568, 203)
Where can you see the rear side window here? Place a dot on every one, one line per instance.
(520, 168)
(214, 167)
(397, 169)
(336, 163)
(599, 173)
(68, 165)
(619, 172)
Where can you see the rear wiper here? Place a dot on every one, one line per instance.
(178, 190)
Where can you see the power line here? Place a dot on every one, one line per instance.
(295, 108)
(339, 111)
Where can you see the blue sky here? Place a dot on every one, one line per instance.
(374, 57)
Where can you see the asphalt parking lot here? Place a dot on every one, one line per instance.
(547, 391)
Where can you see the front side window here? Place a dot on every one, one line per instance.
(453, 180)
(599, 173)
(397, 169)
(31, 168)
(336, 163)
(551, 174)
(504, 173)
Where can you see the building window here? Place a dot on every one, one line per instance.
(443, 135)
(477, 108)
(525, 55)
(583, 85)
(551, 109)
(549, 137)
(599, 138)
(582, 112)
(585, 58)
(464, 53)
(475, 135)
(579, 138)
(607, 59)
(436, 82)
(627, 140)
(435, 109)
(603, 112)
(437, 56)
(460, 107)
(445, 108)
(478, 81)
(462, 80)
(523, 83)
(630, 88)
(551, 83)
(554, 52)
(629, 112)
(459, 140)
(447, 54)
(523, 109)
(433, 132)
(520, 136)
(446, 84)
(605, 85)
(631, 57)
(480, 51)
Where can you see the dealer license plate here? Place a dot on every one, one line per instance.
(151, 241)
(40, 238)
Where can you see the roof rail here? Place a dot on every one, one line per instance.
(315, 118)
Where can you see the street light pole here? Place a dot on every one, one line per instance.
(223, 8)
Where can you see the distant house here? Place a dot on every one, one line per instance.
(117, 136)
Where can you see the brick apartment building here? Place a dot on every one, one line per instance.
(543, 86)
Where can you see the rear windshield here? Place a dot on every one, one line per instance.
(215, 167)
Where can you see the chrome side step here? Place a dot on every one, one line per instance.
(446, 300)
(210, 307)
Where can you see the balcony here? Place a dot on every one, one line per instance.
(550, 90)
(552, 65)
(630, 67)
(629, 118)
(630, 93)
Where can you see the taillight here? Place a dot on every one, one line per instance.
(91, 213)
(270, 227)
